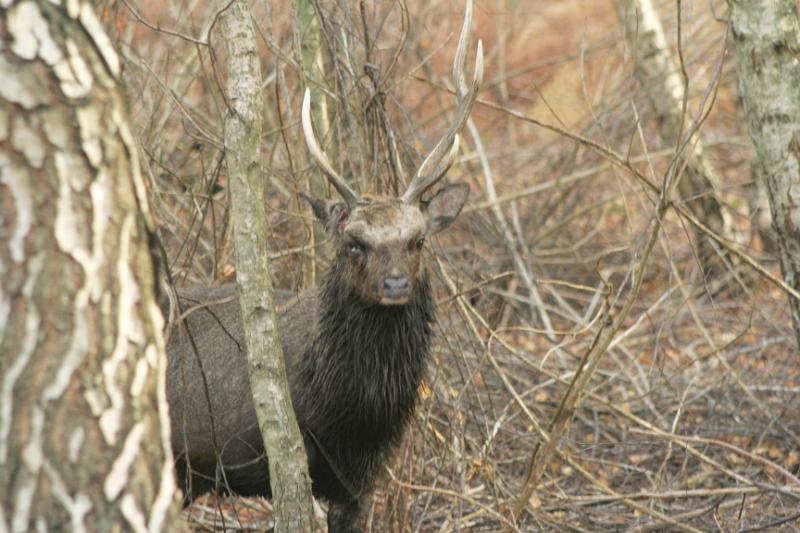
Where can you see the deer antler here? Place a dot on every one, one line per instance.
(350, 196)
(438, 161)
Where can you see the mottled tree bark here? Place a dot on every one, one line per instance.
(658, 72)
(84, 428)
(289, 478)
(767, 41)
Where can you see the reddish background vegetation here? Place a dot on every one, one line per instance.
(690, 419)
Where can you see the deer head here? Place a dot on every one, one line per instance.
(379, 239)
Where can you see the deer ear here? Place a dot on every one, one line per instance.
(445, 206)
(330, 213)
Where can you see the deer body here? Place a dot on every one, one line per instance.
(353, 372)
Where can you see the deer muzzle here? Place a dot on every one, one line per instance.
(396, 290)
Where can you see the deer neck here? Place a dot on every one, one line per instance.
(367, 362)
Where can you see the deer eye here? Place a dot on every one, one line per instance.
(419, 242)
(356, 247)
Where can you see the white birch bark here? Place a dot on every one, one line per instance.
(767, 42)
(84, 425)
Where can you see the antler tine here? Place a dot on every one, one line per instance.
(438, 162)
(460, 60)
(349, 195)
(441, 169)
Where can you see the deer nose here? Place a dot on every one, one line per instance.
(395, 287)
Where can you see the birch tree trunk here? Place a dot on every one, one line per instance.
(767, 40)
(289, 478)
(658, 73)
(84, 427)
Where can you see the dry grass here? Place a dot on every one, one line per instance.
(687, 420)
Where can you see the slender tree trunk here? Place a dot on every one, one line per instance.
(308, 54)
(658, 72)
(84, 427)
(291, 485)
(767, 40)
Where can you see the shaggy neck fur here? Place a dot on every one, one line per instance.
(365, 367)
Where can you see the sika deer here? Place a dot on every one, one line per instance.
(356, 348)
